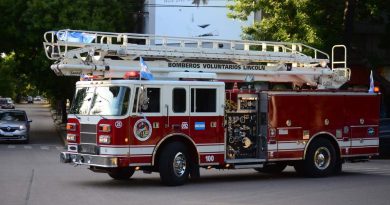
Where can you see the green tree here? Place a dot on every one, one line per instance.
(24, 22)
(314, 22)
(7, 79)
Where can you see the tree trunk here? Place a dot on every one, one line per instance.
(349, 15)
(64, 114)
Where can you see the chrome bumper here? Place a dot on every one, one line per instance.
(87, 159)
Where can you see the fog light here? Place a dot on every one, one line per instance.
(104, 139)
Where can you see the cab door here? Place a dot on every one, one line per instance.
(147, 118)
(176, 109)
(206, 117)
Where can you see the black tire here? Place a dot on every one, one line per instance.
(320, 160)
(174, 164)
(272, 168)
(121, 173)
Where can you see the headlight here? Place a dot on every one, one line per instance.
(22, 127)
(104, 139)
(71, 137)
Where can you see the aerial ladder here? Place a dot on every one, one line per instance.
(110, 55)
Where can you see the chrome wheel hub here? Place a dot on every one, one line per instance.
(322, 158)
(179, 164)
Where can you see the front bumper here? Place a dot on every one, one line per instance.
(88, 159)
(13, 137)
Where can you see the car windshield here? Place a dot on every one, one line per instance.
(12, 116)
(108, 100)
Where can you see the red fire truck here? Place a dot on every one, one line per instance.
(208, 103)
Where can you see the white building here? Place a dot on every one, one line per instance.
(184, 19)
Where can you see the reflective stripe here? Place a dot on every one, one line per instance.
(343, 143)
(114, 150)
(141, 150)
(272, 147)
(291, 146)
(365, 142)
(210, 148)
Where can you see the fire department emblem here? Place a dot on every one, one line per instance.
(118, 124)
(142, 129)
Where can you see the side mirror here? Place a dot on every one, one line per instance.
(29, 121)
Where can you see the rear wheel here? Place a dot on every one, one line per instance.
(272, 168)
(121, 173)
(320, 159)
(174, 164)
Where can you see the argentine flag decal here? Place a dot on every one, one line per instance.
(200, 126)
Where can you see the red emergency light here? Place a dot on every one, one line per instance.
(131, 75)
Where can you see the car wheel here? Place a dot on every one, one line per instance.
(174, 166)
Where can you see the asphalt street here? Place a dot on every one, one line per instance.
(30, 174)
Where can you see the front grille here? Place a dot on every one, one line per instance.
(88, 133)
(88, 128)
(11, 129)
(88, 138)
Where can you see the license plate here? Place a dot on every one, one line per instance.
(7, 134)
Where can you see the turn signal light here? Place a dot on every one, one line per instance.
(104, 139)
(105, 128)
(71, 126)
(71, 137)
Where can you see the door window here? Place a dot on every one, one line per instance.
(179, 100)
(203, 100)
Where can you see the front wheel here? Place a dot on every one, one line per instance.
(174, 164)
(121, 173)
(320, 160)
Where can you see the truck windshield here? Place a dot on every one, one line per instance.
(108, 100)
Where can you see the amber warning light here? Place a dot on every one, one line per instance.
(71, 126)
